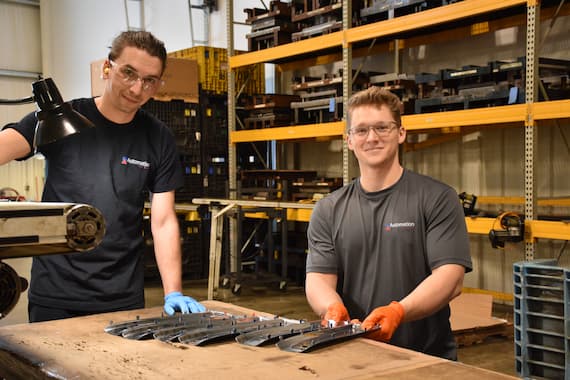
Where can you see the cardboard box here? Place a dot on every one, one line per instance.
(180, 77)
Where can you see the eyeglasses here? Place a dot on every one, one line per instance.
(130, 77)
(381, 129)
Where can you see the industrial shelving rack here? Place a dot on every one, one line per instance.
(526, 115)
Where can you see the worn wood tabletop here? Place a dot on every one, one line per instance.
(78, 348)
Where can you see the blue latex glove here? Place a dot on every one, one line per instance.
(175, 301)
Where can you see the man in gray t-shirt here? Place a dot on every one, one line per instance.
(391, 248)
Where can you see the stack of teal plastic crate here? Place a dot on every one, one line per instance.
(542, 319)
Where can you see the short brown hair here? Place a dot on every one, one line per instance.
(377, 97)
(140, 40)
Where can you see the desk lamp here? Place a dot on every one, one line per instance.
(56, 119)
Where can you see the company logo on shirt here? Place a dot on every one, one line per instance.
(405, 225)
(131, 161)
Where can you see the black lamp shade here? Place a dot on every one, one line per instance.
(56, 119)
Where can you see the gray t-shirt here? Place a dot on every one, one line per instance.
(383, 244)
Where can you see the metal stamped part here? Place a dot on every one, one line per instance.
(322, 337)
(271, 335)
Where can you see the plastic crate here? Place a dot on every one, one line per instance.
(192, 249)
(542, 319)
(182, 118)
(214, 121)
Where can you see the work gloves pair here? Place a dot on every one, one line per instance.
(176, 301)
(387, 317)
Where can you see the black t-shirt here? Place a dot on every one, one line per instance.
(109, 167)
(383, 244)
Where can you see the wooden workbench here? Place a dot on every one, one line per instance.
(78, 348)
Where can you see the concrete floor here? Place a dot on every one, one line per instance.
(494, 353)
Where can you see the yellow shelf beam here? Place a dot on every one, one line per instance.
(310, 45)
(515, 113)
(430, 17)
(535, 229)
(557, 202)
(555, 109)
(333, 129)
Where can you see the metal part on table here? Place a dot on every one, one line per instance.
(168, 334)
(118, 328)
(166, 326)
(324, 336)
(212, 326)
(207, 335)
(270, 335)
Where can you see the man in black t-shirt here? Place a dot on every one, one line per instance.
(110, 167)
(391, 248)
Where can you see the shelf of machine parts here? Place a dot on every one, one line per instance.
(418, 22)
(455, 12)
(509, 114)
(297, 132)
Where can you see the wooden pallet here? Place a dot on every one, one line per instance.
(477, 335)
(472, 319)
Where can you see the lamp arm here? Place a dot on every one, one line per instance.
(29, 99)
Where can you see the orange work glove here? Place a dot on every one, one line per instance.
(335, 312)
(388, 317)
